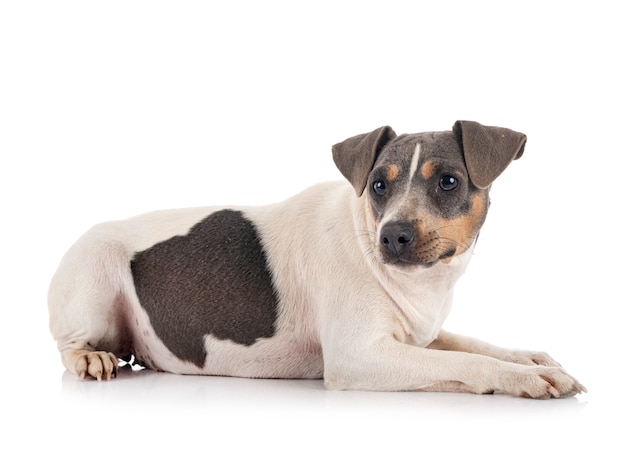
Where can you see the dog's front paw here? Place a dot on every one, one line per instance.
(528, 357)
(540, 382)
(85, 363)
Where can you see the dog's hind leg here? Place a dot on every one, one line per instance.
(88, 307)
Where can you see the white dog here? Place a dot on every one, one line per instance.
(346, 281)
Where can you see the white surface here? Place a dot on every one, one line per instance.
(117, 108)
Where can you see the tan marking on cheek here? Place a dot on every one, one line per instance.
(462, 230)
(428, 169)
(392, 172)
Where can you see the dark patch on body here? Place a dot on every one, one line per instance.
(213, 280)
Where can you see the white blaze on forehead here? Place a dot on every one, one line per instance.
(398, 203)
(414, 161)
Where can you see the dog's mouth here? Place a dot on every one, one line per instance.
(418, 259)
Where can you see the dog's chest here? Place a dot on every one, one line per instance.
(424, 314)
(423, 300)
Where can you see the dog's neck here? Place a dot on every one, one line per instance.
(423, 296)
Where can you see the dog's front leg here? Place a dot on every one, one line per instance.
(447, 341)
(381, 362)
(453, 342)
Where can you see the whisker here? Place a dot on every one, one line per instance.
(461, 245)
(366, 233)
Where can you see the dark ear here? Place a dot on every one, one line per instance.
(356, 156)
(487, 150)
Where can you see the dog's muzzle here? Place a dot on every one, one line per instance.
(401, 245)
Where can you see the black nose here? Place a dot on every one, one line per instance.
(397, 236)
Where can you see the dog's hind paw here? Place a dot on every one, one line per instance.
(85, 363)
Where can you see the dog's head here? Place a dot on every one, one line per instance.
(427, 193)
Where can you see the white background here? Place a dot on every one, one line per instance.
(109, 109)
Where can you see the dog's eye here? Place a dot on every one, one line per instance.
(448, 182)
(379, 187)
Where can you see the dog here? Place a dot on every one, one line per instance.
(346, 281)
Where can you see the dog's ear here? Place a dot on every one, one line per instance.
(356, 156)
(487, 150)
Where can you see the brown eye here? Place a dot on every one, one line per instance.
(448, 182)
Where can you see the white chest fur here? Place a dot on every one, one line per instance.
(423, 296)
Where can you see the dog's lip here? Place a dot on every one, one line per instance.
(407, 264)
(404, 263)
(449, 253)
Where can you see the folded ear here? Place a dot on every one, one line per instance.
(356, 156)
(487, 150)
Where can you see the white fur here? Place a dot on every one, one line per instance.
(343, 315)
(415, 159)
